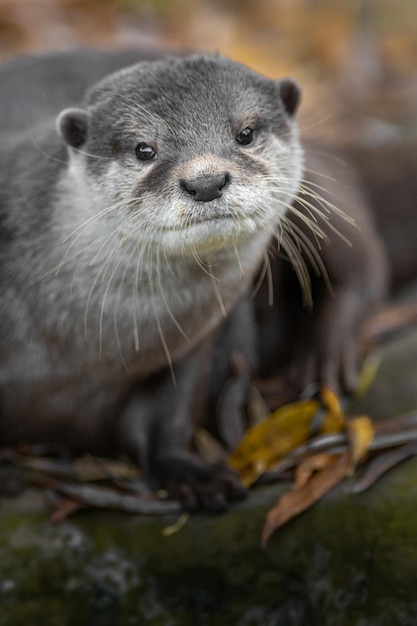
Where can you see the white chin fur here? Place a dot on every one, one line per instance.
(180, 226)
(206, 236)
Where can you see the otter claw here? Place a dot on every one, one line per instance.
(200, 487)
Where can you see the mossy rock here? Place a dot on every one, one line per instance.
(108, 569)
(350, 560)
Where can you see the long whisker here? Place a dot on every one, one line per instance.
(99, 214)
(101, 273)
(159, 326)
(313, 256)
(166, 303)
(106, 291)
(239, 262)
(300, 268)
(41, 151)
(263, 270)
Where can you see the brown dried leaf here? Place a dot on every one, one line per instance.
(310, 465)
(90, 469)
(210, 450)
(63, 509)
(293, 503)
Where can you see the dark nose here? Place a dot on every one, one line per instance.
(206, 188)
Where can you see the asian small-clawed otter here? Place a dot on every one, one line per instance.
(137, 206)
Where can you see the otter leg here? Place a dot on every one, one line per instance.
(348, 272)
(326, 346)
(155, 430)
(342, 268)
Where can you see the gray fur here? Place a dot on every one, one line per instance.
(108, 270)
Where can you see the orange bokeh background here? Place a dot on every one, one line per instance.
(356, 59)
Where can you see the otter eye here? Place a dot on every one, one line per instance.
(145, 152)
(245, 137)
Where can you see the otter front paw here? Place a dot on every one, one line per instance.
(198, 486)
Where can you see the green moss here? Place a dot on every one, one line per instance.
(108, 569)
(350, 558)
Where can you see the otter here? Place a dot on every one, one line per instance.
(138, 202)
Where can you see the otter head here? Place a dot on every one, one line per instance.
(194, 153)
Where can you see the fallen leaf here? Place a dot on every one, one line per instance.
(168, 531)
(90, 468)
(266, 443)
(368, 373)
(310, 465)
(334, 419)
(63, 509)
(257, 408)
(361, 433)
(44, 465)
(293, 503)
(210, 450)
(318, 473)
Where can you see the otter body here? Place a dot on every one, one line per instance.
(135, 213)
(127, 236)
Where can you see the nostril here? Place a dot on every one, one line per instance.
(187, 187)
(225, 181)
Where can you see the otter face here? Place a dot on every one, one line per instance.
(191, 153)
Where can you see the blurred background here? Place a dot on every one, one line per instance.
(355, 59)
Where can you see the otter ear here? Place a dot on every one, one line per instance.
(72, 125)
(290, 94)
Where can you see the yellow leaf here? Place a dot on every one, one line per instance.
(368, 372)
(266, 443)
(334, 420)
(360, 432)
